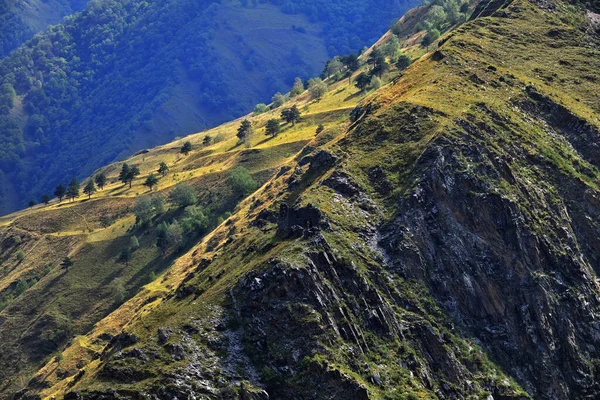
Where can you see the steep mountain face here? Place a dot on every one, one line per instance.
(124, 75)
(437, 239)
(20, 20)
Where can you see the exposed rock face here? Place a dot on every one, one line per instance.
(529, 298)
(297, 221)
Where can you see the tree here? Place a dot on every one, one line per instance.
(174, 235)
(333, 67)
(31, 203)
(317, 88)
(187, 147)
(66, 263)
(89, 188)
(378, 62)
(161, 237)
(375, 83)
(100, 180)
(291, 115)
(143, 210)
(163, 168)
(260, 108)
(151, 181)
(245, 130)
(297, 88)
(60, 192)
(73, 189)
(277, 100)
(124, 173)
(169, 236)
(241, 181)
(146, 208)
(362, 81)
(158, 203)
(183, 195)
(45, 199)
(320, 128)
(351, 62)
(195, 219)
(21, 287)
(430, 37)
(206, 141)
(391, 47)
(128, 174)
(125, 256)
(403, 62)
(436, 16)
(273, 127)
(134, 243)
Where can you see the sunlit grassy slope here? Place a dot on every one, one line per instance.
(59, 304)
(483, 74)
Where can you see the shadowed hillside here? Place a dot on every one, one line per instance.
(20, 20)
(124, 75)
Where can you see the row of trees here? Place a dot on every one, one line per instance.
(290, 115)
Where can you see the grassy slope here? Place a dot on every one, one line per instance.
(94, 249)
(484, 65)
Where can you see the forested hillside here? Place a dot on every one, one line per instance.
(123, 75)
(21, 19)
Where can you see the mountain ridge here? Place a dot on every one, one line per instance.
(436, 239)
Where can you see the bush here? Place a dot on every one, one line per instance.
(261, 108)
(297, 88)
(219, 137)
(403, 62)
(317, 88)
(183, 195)
(241, 181)
(195, 219)
(17, 240)
(20, 255)
(21, 287)
(278, 100)
(375, 83)
(134, 243)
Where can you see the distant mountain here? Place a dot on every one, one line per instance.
(124, 75)
(21, 19)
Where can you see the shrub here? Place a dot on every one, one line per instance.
(430, 37)
(260, 108)
(20, 255)
(403, 62)
(278, 100)
(134, 243)
(195, 219)
(241, 181)
(317, 88)
(375, 83)
(297, 88)
(106, 220)
(182, 195)
(21, 287)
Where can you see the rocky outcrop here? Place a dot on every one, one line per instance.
(298, 221)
